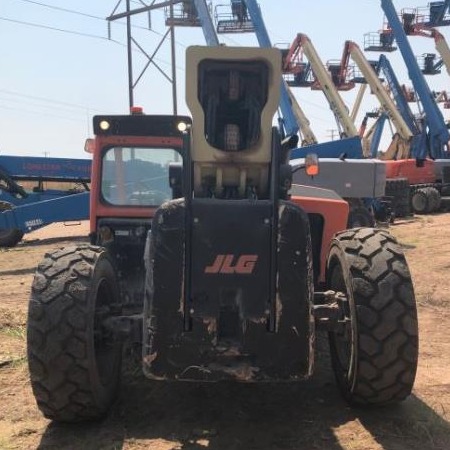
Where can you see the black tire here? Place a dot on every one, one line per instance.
(9, 237)
(398, 191)
(375, 355)
(420, 201)
(434, 199)
(74, 364)
(360, 216)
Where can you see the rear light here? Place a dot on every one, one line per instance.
(312, 164)
(136, 110)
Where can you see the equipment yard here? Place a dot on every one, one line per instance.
(309, 415)
(239, 283)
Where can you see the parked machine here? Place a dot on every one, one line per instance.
(24, 209)
(360, 181)
(407, 143)
(315, 75)
(428, 174)
(429, 62)
(241, 271)
(322, 80)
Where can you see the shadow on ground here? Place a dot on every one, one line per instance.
(308, 415)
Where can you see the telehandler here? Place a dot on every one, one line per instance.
(204, 254)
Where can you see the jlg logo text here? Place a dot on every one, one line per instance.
(229, 264)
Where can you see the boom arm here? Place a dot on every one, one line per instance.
(308, 137)
(206, 22)
(438, 132)
(419, 29)
(357, 104)
(302, 42)
(372, 138)
(442, 47)
(291, 126)
(398, 93)
(378, 89)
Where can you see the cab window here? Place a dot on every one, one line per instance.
(137, 176)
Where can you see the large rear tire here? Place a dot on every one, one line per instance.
(9, 237)
(74, 362)
(375, 354)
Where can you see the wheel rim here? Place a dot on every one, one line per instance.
(344, 340)
(419, 201)
(105, 346)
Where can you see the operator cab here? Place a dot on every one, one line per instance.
(135, 162)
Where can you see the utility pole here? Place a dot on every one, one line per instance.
(130, 59)
(332, 133)
(173, 58)
(132, 44)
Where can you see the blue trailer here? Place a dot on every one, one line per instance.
(27, 208)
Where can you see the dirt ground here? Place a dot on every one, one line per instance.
(312, 415)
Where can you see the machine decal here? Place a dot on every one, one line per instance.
(223, 264)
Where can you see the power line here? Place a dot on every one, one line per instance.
(91, 16)
(40, 113)
(47, 27)
(48, 100)
(58, 8)
(76, 33)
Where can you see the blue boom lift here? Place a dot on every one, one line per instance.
(24, 209)
(438, 134)
(430, 177)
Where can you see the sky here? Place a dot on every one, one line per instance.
(62, 63)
